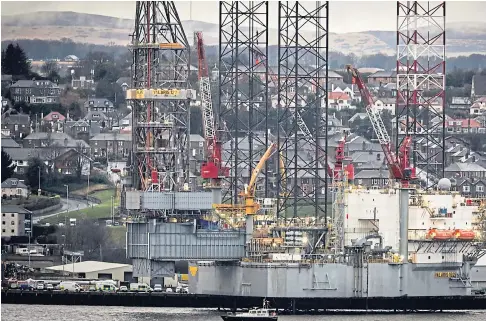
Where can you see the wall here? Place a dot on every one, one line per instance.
(17, 226)
(116, 274)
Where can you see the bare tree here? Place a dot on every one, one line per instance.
(50, 67)
(81, 160)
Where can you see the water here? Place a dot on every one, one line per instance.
(14, 312)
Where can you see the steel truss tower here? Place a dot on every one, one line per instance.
(420, 106)
(159, 98)
(243, 91)
(302, 64)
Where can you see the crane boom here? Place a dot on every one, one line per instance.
(212, 169)
(398, 165)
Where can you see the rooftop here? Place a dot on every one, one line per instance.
(13, 183)
(89, 266)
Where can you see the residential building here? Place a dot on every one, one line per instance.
(470, 187)
(54, 140)
(339, 101)
(35, 92)
(71, 162)
(464, 126)
(124, 82)
(99, 104)
(54, 121)
(99, 117)
(71, 58)
(82, 83)
(387, 91)
(478, 107)
(460, 103)
(478, 87)
(382, 77)
(8, 142)
(386, 104)
(373, 178)
(82, 129)
(13, 187)
(465, 170)
(21, 157)
(16, 221)
(117, 146)
(16, 126)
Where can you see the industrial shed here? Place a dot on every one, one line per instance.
(96, 270)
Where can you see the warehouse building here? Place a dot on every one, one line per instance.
(96, 270)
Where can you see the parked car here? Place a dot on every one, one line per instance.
(169, 290)
(40, 287)
(49, 287)
(123, 288)
(158, 288)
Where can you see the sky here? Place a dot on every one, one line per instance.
(345, 16)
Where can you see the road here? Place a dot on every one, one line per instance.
(74, 205)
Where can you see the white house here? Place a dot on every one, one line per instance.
(13, 187)
(339, 101)
(386, 104)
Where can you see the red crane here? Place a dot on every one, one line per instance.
(398, 165)
(212, 169)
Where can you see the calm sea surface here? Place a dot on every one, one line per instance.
(81, 313)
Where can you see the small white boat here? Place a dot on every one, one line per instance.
(255, 314)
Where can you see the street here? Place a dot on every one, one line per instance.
(74, 205)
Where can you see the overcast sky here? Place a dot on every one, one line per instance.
(345, 16)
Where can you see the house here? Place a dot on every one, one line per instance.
(72, 162)
(82, 129)
(15, 125)
(342, 87)
(361, 157)
(8, 142)
(35, 92)
(21, 157)
(478, 107)
(460, 103)
(114, 146)
(382, 77)
(99, 117)
(470, 187)
(416, 128)
(82, 83)
(13, 187)
(478, 87)
(339, 101)
(71, 58)
(58, 159)
(124, 82)
(386, 104)
(53, 140)
(387, 91)
(373, 178)
(16, 221)
(465, 170)
(99, 104)
(464, 126)
(54, 121)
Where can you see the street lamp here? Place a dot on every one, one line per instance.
(67, 200)
(39, 188)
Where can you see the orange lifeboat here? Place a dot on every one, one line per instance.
(464, 235)
(435, 234)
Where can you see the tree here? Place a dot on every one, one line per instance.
(81, 160)
(8, 167)
(15, 62)
(51, 70)
(32, 174)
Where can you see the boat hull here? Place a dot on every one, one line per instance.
(248, 318)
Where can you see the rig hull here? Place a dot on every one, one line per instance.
(325, 280)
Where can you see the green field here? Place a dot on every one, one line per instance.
(95, 212)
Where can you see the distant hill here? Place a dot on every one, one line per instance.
(462, 38)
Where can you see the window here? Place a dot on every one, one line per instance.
(480, 188)
(3, 230)
(12, 231)
(12, 215)
(12, 223)
(374, 181)
(466, 189)
(3, 222)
